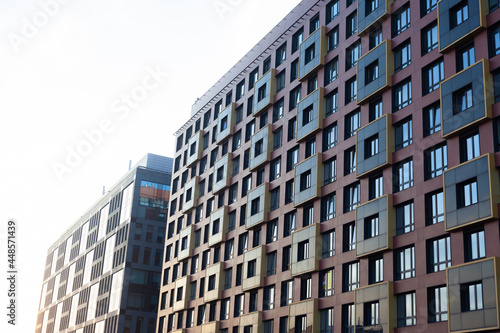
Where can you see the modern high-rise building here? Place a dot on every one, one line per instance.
(103, 274)
(342, 177)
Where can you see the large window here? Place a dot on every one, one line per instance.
(349, 160)
(332, 38)
(405, 263)
(332, 10)
(475, 247)
(375, 186)
(402, 56)
(351, 197)
(459, 14)
(350, 279)
(429, 38)
(401, 95)
(407, 310)
(471, 296)
(331, 71)
(331, 101)
(435, 161)
(326, 283)
(350, 90)
(463, 99)
(405, 218)
(465, 57)
(403, 175)
(437, 304)
(269, 298)
(469, 146)
(294, 98)
(401, 20)
(305, 287)
(326, 320)
(427, 6)
(375, 270)
(286, 292)
(352, 123)
(297, 39)
(330, 171)
(281, 54)
(404, 133)
(371, 226)
(434, 207)
(349, 237)
(328, 207)
(290, 224)
(494, 40)
(438, 254)
(328, 247)
(353, 53)
(348, 318)
(432, 119)
(351, 24)
(371, 313)
(292, 158)
(432, 75)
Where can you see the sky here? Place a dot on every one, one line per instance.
(87, 86)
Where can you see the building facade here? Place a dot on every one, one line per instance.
(103, 274)
(342, 177)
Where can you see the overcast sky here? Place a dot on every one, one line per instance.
(124, 73)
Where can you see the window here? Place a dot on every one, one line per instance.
(294, 98)
(332, 10)
(471, 296)
(301, 324)
(256, 237)
(351, 25)
(326, 283)
(435, 161)
(254, 76)
(349, 237)
(330, 171)
(375, 37)
(469, 146)
(371, 226)
(310, 147)
(314, 24)
(494, 40)
(328, 244)
(349, 160)
(271, 263)
(289, 191)
(297, 39)
(375, 270)
(332, 39)
(375, 186)
(310, 54)
(303, 250)
(268, 326)
(290, 223)
(229, 249)
(275, 169)
(281, 54)
(438, 254)
(266, 65)
(475, 247)
(292, 128)
(292, 158)
(239, 303)
(351, 197)
(371, 72)
(263, 119)
(405, 218)
(269, 298)
(432, 75)
(403, 175)
(305, 180)
(429, 38)
(285, 264)
(353, 53)
(251, 268)
(308, 215)
(278, 110)
(312, 84)
(427, 6)
(348, 318)
(350, 280)
(242, 243)
(286, 292)
(467, 193)
(280, 80)
(401, 20)
(401, 95)
(249, 130)
(434, 207)
(305, 287)
(432, 119)
(331, 103)
(404, 133)
(405, 263)
(407, 310)
(371, 146)
(459, 14)
(465, 57)
(375, 109)
(462, 99)
(402, 56)
(371, 314)
(437, 304)
(260, 176)
(328, 207)
(272, 231)
(352, 123)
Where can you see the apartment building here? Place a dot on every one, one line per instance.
(342, 177)
(103, 274)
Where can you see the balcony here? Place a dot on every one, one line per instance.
(254, 268)
(219, 221)
(312, 53)
(225, 123)
(310, 114)
(258, 202)
(306, 249)
(265, 89)
(223, 169)
(261, 147)
(195, 147)
(308, 180)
